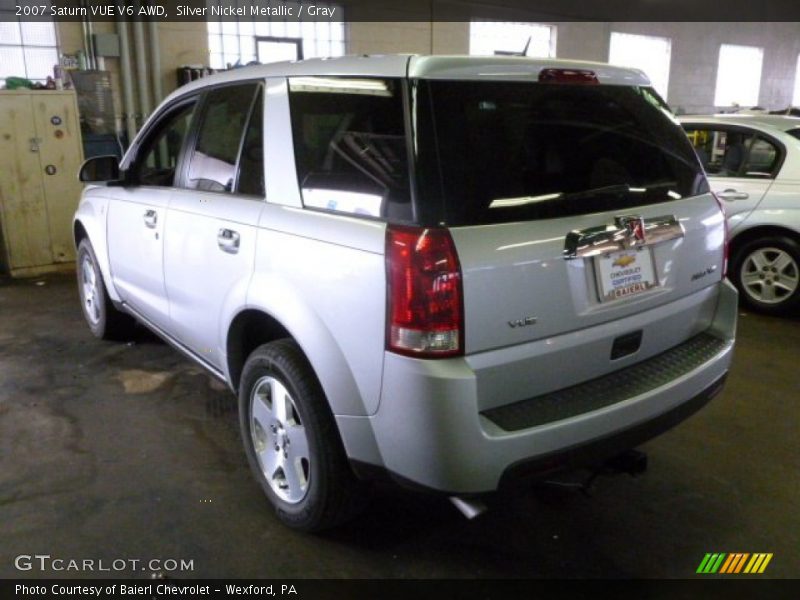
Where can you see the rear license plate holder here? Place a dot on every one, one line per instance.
(625, 273)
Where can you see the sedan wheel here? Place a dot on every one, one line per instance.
(767, 273)
(770, 275)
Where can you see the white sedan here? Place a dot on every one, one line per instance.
(753, 166)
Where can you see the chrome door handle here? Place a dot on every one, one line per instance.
(731, 194)
(228, 241)
(150, 218)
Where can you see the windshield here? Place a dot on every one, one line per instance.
(497, 152)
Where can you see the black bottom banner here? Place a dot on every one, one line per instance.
(338, 589)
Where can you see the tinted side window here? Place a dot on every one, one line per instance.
(159, 153)
(251, 164)
(728, 152)
(212, 166)
(721, 151)
(350, 145)
(762, 159)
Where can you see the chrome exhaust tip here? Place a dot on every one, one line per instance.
(469, 507)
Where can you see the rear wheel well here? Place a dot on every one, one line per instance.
(250, 329)
(764, 231)
(79, 233)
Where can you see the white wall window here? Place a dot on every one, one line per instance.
(648, 53)
(231, 42)
(738, 75)
(489, 37)
(27, 49)
(796, 94)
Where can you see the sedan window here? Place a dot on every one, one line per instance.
(761, 159)
(729, 152)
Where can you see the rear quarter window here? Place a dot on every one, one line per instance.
(350, 145)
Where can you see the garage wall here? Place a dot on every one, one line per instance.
(695, 51)
(388, 38)
(407, 37)
(181, 43)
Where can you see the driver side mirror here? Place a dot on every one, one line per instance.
(100, 169)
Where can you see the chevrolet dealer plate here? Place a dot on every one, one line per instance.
(625, 273)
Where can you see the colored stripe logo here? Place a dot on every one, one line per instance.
(734, 563)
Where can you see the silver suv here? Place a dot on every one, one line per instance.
(452, 271)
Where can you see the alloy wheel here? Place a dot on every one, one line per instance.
(279, 439)
(89, 290)
(770, 275)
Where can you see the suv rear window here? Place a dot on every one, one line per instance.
(497, 152)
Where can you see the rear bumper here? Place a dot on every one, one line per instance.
(430, 431)
(600, 449)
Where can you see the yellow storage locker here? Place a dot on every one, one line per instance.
(40, 154)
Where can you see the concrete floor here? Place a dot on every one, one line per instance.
(114, 450)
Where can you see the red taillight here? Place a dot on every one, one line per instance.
(580, 76)
(425, 301)
(727, 236)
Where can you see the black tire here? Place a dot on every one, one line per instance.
(786, 304)
(332, 493)
(107, 323)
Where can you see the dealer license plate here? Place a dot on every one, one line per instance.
(625, 273)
